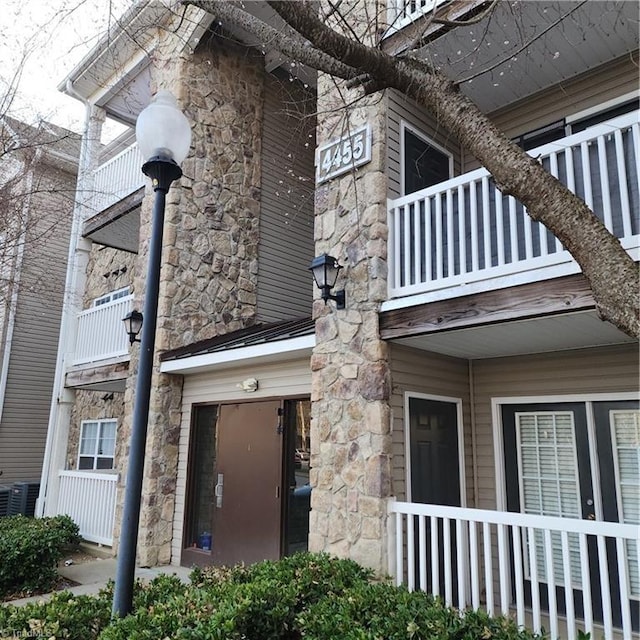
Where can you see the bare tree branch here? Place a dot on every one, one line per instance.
(599, 254)
(290, 44)
(528, 43)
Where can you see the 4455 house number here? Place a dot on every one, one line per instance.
(339, 156)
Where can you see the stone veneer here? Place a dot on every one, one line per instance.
(351, 426)
(210, 247)
(107, 270)
(94, 405)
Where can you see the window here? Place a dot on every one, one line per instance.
(601, 116)
(97, 444)
(541, 136)
(625, 433)
(111, 296)
(423, 162)
(573, 124)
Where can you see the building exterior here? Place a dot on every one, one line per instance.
(38, 167)
(467, 423)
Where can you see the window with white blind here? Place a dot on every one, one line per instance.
(548, 480)
(625, 438)
(97, 444)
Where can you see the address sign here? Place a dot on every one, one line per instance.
(339, 156)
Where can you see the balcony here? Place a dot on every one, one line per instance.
(101, 334)
(89, 498)
(401, 13)
(116, 179)
(463, 236)
(520, 564)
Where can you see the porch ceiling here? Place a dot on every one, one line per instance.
(118, 226)
(527, 46)
(536, 335)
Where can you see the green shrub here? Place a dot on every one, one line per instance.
(64, 616)
(30, 549)
(374, 611)
(308, 596)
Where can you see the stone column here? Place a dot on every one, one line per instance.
(210, 248)
(351, 426)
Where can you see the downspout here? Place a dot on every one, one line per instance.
(67, 335)
(15, 285)
(474, 444)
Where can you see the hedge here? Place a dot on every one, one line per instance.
(306, 596)
(30, 549)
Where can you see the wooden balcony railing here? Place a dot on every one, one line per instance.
(563, 574)
(463, 236)
(101, 333)
(89, 498)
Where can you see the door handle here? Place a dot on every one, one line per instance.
(219, 490)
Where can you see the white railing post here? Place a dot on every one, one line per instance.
(536, 556)
(423, 246)
(89, 499)
(116, 179)
(101, 334)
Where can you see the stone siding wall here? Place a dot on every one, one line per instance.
(210, 248)
(107, 270)
(351, 429)
(94, 405)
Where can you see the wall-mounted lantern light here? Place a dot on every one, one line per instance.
(325, 269)
(133, 325)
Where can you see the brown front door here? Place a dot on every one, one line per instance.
(246, 522)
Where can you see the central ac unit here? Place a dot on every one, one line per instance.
(5, 496)
(23, 498)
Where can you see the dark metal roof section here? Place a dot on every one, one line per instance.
(257, 334)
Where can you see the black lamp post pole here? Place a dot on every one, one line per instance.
(163, 172)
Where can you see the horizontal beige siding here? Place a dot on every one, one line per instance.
(588, 90)
(419, 371)
(32, 359)
(400, 108)
(285, 247)
(280, 380)
(586, 371)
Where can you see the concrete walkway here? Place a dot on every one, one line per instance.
(93, 575)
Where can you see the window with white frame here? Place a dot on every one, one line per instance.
(424, 163)
(111, 296)
(548, 482)
(625, 435)
(97, 444)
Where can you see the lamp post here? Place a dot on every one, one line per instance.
(164, 137)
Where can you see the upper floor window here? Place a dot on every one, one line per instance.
(543, 135)
(111, 296)
(574, 124)
(424, 163)
(602, 115)
(97, 444)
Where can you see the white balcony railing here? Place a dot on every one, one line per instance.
(116, 179)
(464, 232)
(101, 333)
(514, 563)
(401, 13)
(89, 498)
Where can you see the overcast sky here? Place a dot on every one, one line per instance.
(55, 35)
